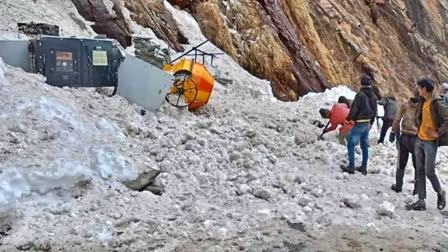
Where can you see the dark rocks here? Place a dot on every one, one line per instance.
(351, 203)
(153, 14)
(151, 52)
(261, 194)
(182, 4)
(114, 25)
(307, 73)
(143, 180)
(38, 29)
(297, 226)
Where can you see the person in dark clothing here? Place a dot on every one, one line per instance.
(406, 139)
(432, 120)
(343, 99)
(390, 110)
(363, 112)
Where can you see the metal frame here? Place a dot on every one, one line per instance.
(198, 53)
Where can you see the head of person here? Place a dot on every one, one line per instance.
(366, 81)
(425, 87)
(415, 95)
(325, 113)
(445, 87)
(343, 99)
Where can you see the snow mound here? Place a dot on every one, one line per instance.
(52, 146)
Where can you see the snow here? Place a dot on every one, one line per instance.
(61, 13)
(244, 173)
(77, 153)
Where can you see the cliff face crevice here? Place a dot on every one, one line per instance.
(109, 19)
(305, 45)
(109, 22)
(153, 14)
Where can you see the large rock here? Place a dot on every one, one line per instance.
(147, 50)
(114, 25)
(153, 14)
(144, 180)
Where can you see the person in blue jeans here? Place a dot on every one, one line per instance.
(363, 111)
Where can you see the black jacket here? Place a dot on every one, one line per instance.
(390, 108)
(364, 106)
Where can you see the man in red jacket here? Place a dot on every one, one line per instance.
(337, 116)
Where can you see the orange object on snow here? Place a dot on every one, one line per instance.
(338, 114)
(195, 82)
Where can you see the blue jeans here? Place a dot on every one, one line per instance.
(360, 132)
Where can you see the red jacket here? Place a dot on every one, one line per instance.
(338, 114)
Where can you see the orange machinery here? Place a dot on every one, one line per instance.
(193, 83)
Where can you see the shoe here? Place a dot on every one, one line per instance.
(441, 200)
(362, 170)
(348, 169)
(394, 188)
(419, 205)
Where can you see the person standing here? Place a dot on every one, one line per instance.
(432, 119)
(390, 110)
(406, 138)
(445, 92)
(363, 112)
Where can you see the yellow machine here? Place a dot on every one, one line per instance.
(193, 83)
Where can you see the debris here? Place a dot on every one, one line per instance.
(386, 209)
(143, 180)
(297, 226)
(261, 194)
(351, 203)
(38, 29)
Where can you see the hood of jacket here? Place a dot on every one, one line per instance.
(368, 91)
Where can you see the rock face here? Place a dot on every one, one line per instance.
(153, 14)
(304, 46)
(264, 40)
(109, 22)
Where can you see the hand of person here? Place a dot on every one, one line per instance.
(433, 133)
(392, 137)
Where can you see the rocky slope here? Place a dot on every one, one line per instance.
(395, 41)
(304, 46)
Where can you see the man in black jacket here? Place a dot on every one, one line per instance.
(363, 111)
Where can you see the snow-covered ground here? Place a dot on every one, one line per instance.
(246, 173)
(58, 12)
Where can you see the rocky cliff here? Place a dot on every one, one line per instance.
(309, 45)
